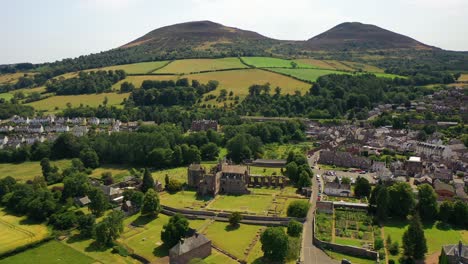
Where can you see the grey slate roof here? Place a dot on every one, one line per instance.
(188, 244)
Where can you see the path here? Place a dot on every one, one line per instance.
(310, 254)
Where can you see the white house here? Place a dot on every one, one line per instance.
(3, 140)
(20, 120)
(6, 128)
(36, 128)
(428, 150)
(93, 121)
(79, 131)
(107, 121)
(337, 189)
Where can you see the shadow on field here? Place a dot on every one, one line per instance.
(95, 247)
(142, 220)
(161, 251)
(75, 238)
(230, 228)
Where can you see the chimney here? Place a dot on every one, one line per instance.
(460, 248)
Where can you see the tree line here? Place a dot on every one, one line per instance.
(86, 83)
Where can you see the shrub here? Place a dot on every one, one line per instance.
(391, 261)
(174, 186)
(382, 253)
(394, 248)
(378, 243)
(294, 228)
(122, 251)
(298, 209)
(235, 218)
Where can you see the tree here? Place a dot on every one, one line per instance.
(89, 158)
(460, 213)
(160, 157)
(151, 205)
(235, 218)
(109, 229)
(75, 185)
(209, 151)
(346, 180)
(174, 186)
(46, 167)
(292, 171)
(382, 204)
(362, 187)
(414, 241)
(148, 181)
(6, 185)
(86, 225)
(294, 228)
(293, 64)
(177, 158)
(304, 180)
(106, 178)
(174, 230)
(136, 197)
(401, 200)
(126, 87)
(274, 243)
(446, 211)
(298, 209)
(427, 202)
(98, 204)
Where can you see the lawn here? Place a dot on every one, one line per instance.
(436, 235)
(56, 103)
(217, 257)
(281, 151)
(137, 68)
(184, 199)
(310, 75)
(354, 260)
(198, 65)
(234, 240)
(28, 170)
(239, 81)
(118, 172)
(268, 62)
(249, 203)
(18, 231)
(145, 240)
(179, 173)
(266, 171)
(88, 248)
(49, 253)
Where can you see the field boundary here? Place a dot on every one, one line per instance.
(160, 67)
(25, 247)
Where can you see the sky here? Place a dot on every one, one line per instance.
(49, 30)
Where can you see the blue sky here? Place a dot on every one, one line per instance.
(49, 30)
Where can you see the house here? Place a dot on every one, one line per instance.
(423, 180)
(337, 189)
(454, 254)
(80, 121)
(129, 208)
(443, 174)
(377, 166)
(343, 159)
(3, 140)
(6, 128)
(204, 125)
(59, 128)
(196, 246)
(21, 129)
(43, 120)
(62, 120)
(33, 139)
(20, 120)
(82, 201)
(444, 190)
(428, 150)
(94, 121)
(107, 121)
(79, 131)
(413, 166)
(113, 194)
(36, 128)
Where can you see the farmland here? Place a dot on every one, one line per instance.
(17, 232)
(239, 81)
(267, 62)
(50, 253)
(137, 68)
(56, 103)
(27, 170)
(137, 80)
(310, 75)
(198, 65)
(10, 78)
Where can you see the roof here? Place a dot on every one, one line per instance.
(235, 169)
(442, 186)
(189, 244)
(271, 161)
(456, 250)
(194, 166)
(334, 185)
(414, 159)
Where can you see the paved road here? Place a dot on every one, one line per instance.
(309, 253)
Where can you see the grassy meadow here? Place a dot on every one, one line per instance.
(267, 62)
(58, 103)
(27, 170)
(18, 231)
(184, 199)
(250, 203)
(198, 65)
(11, 78)
(52, 252)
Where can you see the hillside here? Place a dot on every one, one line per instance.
(355, 35)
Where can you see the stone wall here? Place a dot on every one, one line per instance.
(200, 252)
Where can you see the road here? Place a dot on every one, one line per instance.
(309, 253)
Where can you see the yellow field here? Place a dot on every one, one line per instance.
(12, 77)
(57, 103)
(28, 91)
(14, 234)
(317, 63)
(136, 68)
(198, 65)
(463, 77)
(137, 80)
(240, 81)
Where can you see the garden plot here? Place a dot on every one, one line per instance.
(353, 228)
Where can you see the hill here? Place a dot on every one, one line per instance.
(355, 35)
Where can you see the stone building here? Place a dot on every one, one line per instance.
(204, 125)
(413, 166)
(455, 254)
(196, 246)
(343, 159)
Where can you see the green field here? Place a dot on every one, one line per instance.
(137, 80)
(49, 253)
(6, 96)
(56, 103)
(136, 68)
(436, 235)
(234, 241)
(27, 170)
(217, 257)
(353, 260)
(307, 74)
(281, 151)
(118, 172)
(184, 199)
(265, 171)
(198, 65)
(267, 62)
(250, 203)
(146, 240)
(18, 231)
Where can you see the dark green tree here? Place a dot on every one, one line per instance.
(274, 244)
(174, 230)
(414, 241)
(362, 187)
(89, 158)
(148, 181)
(298, 209)
(151, 205)
(294, 228)
(99, 203)
(427, 202)
(235, 218)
